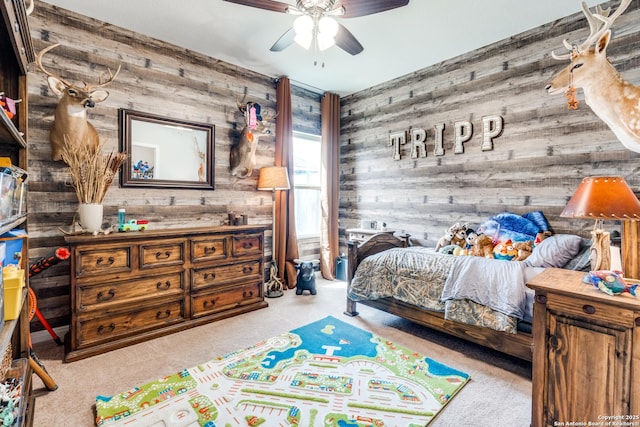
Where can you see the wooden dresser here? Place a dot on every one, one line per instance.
(586, 358)
(130, 287)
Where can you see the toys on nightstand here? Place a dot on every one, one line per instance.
(610, 282)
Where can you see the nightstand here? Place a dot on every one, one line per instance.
(361, 234)
(586, 355)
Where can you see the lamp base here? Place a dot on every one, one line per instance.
(274, 287)
(600, 256)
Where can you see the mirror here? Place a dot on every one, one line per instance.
(164, 152)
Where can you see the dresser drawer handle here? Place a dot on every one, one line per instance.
(208, 276)
(101, 297)
(247, 269)
(163, 255)
(210, 303)
(106, 329)
(589, 309)
(247, 245)
(209, 250)
(163, 314)
(247, 294)
(163, 286)
(110, 261)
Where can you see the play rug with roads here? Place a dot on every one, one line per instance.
(327, 373)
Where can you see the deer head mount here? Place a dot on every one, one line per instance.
(614, 100)
(242, 157)
(70, 121)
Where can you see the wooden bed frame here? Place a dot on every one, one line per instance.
(519, 345)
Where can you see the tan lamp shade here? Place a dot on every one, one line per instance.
(603, 197)
(273, 178)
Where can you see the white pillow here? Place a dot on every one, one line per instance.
(555, 251)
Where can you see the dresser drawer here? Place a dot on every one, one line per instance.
(93, 262)
(162, 254)
(246, 244)
(93, 330)
(104, 296)
(590, 311)
(209, 303)
(201, 277)
(209, 248)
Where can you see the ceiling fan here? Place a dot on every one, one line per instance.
(315, 21)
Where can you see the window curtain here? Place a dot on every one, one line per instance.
(330, 187)
(286, 242)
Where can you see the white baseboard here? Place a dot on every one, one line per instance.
(44, 335)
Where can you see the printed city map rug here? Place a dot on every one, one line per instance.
(327, 373)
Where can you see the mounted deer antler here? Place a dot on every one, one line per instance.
(612, 99)
(242, 157)
(70, 122)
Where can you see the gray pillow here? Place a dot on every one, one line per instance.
(555, 251)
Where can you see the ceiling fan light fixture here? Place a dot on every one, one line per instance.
(304, 40)
(325, 41)
(303, 25)
(327, 26)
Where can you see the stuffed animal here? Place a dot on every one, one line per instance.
(470, 238)
(524, 250)
(610, 282)
(483, 246)
(459, 233)
(504, 250)
(444, 240)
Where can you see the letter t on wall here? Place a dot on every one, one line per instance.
(396, 140)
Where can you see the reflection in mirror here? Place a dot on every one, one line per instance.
(165, 152)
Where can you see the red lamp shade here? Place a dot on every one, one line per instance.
(603, 197)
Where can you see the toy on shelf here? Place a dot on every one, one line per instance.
(8, 105)
(134, 225)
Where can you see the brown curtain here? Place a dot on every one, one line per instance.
(286, 242)
(330, 187)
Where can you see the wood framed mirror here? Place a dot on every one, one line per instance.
(164, 152)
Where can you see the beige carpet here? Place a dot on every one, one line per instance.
(499, 393)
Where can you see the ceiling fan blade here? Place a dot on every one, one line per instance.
(274, 6)
(284, 41)
(356, 8)
(347, 42)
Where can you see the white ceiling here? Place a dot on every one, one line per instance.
(396, 42)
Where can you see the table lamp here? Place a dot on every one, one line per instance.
(273, 178)
(601, 198)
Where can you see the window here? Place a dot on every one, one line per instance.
(306, 183)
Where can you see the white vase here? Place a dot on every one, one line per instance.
(90, 217)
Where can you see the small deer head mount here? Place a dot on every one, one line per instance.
(70, 122)
(612, 99)
(242, 157)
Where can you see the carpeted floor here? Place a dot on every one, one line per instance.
(499, 393)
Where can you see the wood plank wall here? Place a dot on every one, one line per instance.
(159, 78)
(542, 155)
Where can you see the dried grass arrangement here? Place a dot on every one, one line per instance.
(92, 171)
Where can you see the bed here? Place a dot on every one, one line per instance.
(439, 290)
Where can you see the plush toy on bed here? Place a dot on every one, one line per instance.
(459, 234)
(444, 240)
(524, 250)
(483, 246)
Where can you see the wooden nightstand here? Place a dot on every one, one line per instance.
(586, 356)
(361, 234)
